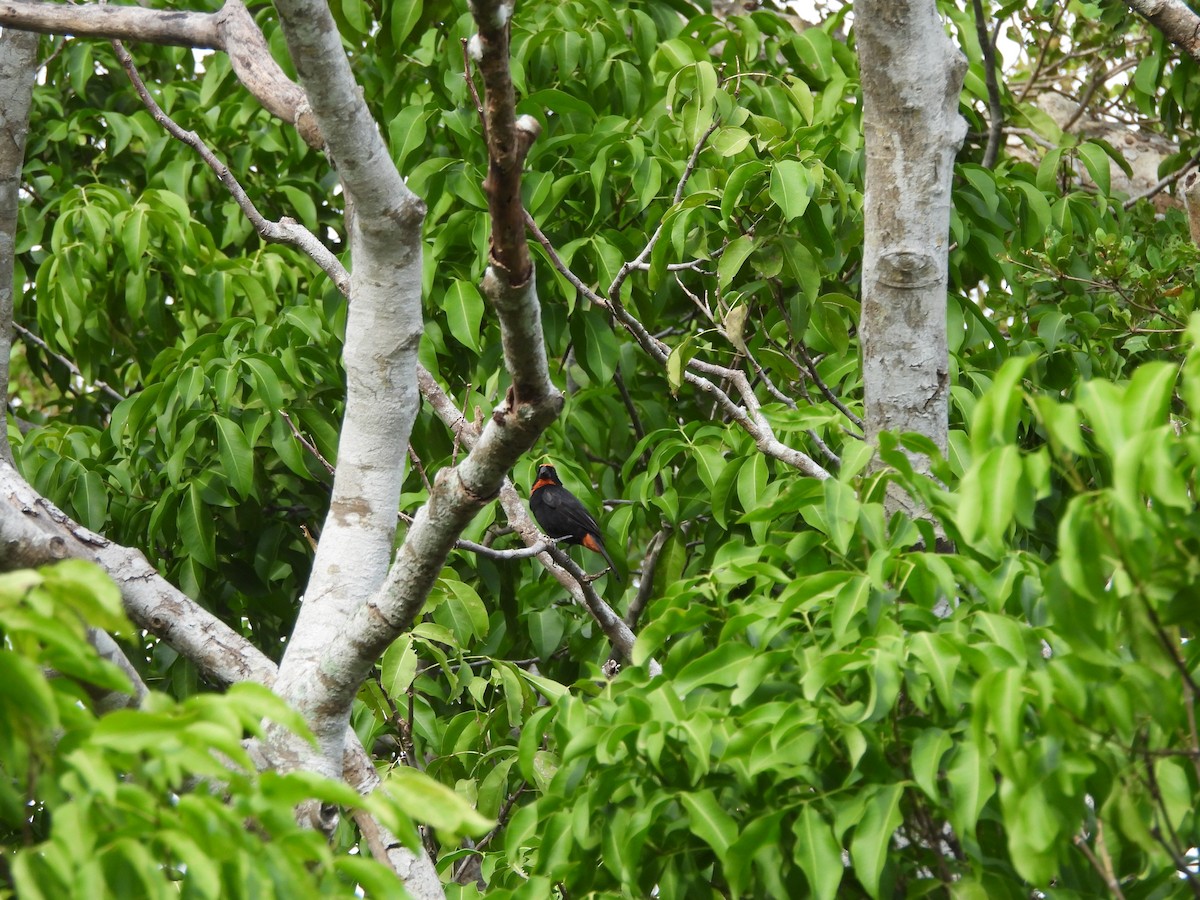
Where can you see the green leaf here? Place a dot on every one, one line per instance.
(399, 667)
(729, 141)
(928, 749)
(739, 179)
(721, 666)
(90, 500)
(407, 131)
(463, 306)
(971, 786)
(709, 821)
(404, 16)
(1102, 404)
(736, 252)
(988, 496)
(841, 512)
(196, 527)
(1062, 424)
(998, 411)
(791, 188)
(869, 847)
(940, 659)
(237, 459)
(549, 689)
(677, 362)
(26, 700)
(818, 854)
(1148, 396)
(431, 802)
(466, 609)
(135, 237)
(266, 380)
(1096, 160)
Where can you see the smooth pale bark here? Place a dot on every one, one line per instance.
(380, 356)
(912, 75)
(18, 66)
(531, 404)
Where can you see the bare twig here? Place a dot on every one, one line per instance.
(30, 337)
(306, 443)
(619, 634)
(1043, 49)
(811, 367)
(1103, 871)
(1164, 182)
(416, 461)
(614, 289)
(646, 578)
(285, 231)
(995, 108)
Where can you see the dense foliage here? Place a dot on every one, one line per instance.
(843, 711)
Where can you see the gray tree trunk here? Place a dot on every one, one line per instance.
(911, 76)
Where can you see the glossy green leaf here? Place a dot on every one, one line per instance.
(196, 527)
(464, 313)
(818, 854)
(791, 188)
(709, 821)
(237, 458)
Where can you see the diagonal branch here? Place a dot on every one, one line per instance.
(748, 414)
(1178, 22)
(34, 532)
(231, 29)
(286, 231)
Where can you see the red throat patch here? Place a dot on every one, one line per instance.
(540, 483)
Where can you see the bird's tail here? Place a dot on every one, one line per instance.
(594, 543)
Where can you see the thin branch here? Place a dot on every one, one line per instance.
(30, 337)
(619, 634)
(1165, 182)
(1093, 85)
(614, 289)
(491, 552)
(416, 461)
(646, 578)
(638, 428)
(561, 267)
(514, 553)
(1042, 50)
(174, 28)
(306, 443)
(824, 388)
(285, 231)
(1104, 872)
(987, 47)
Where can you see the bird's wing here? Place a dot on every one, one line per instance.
(569, 507)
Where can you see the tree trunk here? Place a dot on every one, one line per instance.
(18, 66)
(911, 76)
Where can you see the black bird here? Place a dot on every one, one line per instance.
(561, 515)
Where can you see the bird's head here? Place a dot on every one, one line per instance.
(547, 473)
